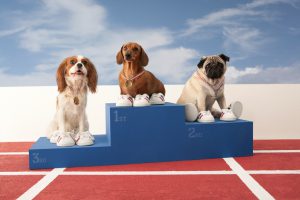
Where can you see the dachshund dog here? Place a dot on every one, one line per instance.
(135, 81)
(75, 75)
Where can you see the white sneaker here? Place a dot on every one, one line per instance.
(157, 99)
(236, 108)
(205, 116)
(141, 100)
(227, 115)
(84, 138)
(124, 100)
(65, 139)
(54, 136)
(191, 112)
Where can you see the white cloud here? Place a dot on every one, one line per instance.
(258, 74)
(235, 75)
(32, 79)
(4, 33)
(219, 18)
(65, 28)
(233, 23)
(62, 24)
(173, 65)
(259, 3)
(244, 38)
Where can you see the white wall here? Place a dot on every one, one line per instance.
(26, 111)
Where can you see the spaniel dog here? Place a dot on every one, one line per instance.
(138, 86)
(75, 75)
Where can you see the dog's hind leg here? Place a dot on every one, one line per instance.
(53, 126)
(191, 112)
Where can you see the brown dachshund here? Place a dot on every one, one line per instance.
(134, 79)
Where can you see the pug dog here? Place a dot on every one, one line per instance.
(204, 88)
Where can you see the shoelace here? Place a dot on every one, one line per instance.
(140, 97)
(84, 135)
(126, 97)
(201, 114)
(159, 95)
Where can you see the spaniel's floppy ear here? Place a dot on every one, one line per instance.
(224, 57)
(144, 58)
(60, 76)
(201, 62)
(92, 77)
(119, 57)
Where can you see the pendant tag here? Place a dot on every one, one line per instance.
(76, 100)
(128, 83)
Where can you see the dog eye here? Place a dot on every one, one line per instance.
(135, 49)
(72, 62)
(125, 48)
(84, 62)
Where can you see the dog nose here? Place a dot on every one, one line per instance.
(128, 55)
(79, 65)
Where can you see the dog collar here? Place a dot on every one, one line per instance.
(216, 86)
(129, 81)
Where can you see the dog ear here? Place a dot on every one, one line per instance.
(201, 62)
(144, 58)
(92, 77)
(60, 76)
(224, 57)
(119, 57)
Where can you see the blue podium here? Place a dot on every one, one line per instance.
(149, 134)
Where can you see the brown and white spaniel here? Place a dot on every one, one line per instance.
(75, 75)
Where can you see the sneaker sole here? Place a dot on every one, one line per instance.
(123, 105)
(86, 144)
(206, 121)
(237, 108)
(233, 119)
(157, 103)
(65, 145)
(141, 105)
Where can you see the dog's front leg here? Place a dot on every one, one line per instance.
(61, 121)
(84, 137)
(83, 123)
(222, 102)
(201, 104)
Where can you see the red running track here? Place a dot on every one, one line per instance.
(268, 174)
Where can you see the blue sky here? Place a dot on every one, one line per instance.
(262, 37)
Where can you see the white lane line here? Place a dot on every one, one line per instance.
(248, 180)
(23, 173)
(143, 173)
(41, 184)
(13, 153)
(120, 173)
(278, 172)
(276, 151)
(254, 151)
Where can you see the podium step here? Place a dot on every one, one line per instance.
(149, 134)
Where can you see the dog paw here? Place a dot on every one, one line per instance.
(227, 115)
(63, 139)
(157, 99)
(124, 100)
(141, 100)
(84, 138)
(205, 116)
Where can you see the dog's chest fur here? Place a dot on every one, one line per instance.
(73, 102)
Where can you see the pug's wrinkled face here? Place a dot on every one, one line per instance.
(214, 67)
